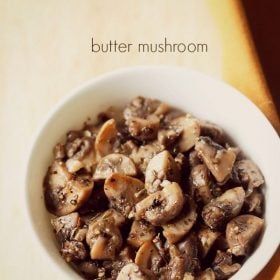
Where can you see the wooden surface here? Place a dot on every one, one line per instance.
(45, 52)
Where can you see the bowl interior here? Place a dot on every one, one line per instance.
(190, 91)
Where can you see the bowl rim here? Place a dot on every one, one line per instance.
(79, 90)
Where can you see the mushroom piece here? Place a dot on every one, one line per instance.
(177, 264)
(223, 208)
(66, 226)
(104, 239)
(207, 274)
(254, 203)
(188, 276)
(64, 193)
(189, 249)
(200, 182)
(207, 238)
(213, 131)
(189, 130)
(148, 258)
(194, 158)
(144, 154)
(114, 163)
(73, 250)
(88, 269)
(246, 172)
(124, 192)
(106, 139)
(144, 129)
(80, 154)
(140, 232)
(242, 233)
(131, 271)
(223, 266)
(174, 230)
(161, 167)
(162, 206)
(218, 159)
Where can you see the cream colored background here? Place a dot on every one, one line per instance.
(45, 51)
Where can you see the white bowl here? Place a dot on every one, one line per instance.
(193, 92)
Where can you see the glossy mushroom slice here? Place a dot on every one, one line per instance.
(162, 206)
(104, 239)
(242, 233)
(66, 226)
(213, 131)
(207, 274)
(114, 163)
(124, 192)
(189, 131)
(148, 258)
(64, 193)
(142, 156)
(254, 203)
(207, 238)
(200, 183)
(106, 139)
(177, 265)
(218, 159)
(80, 154)
(223, 208)
(161, 167)
(131, 271)
(140, 232)
(189, 248)
(176, 229)
(73, 250)
(246, 172)
(223, 266)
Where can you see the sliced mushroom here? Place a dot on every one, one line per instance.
(104, 239)
(223, 266)
(73, 250)
(207, 238)
(194, 158)
(143, 107)
(246, 172)
(161, 167)
(177, 264)
(254, 203)
(207, 274)
(144, 154)
(188, 276)
(213, 131)
(167, 137)
(106, 139)
(162, 206)
(218, 159)
(114, 163)
(66, 226)
(59, 151)
(88, 269)
(118, 218)
(174, 230)
(189, 248)
(63, 193)
(140, 232)
(144, 129)
(131, 271)
(124, 192)
(148, 258)
(200, 182)
(242, 233)
(189, 130)
(223, 208)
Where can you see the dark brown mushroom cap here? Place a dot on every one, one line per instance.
(64, 193)
(221, 209)
(242, 233)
